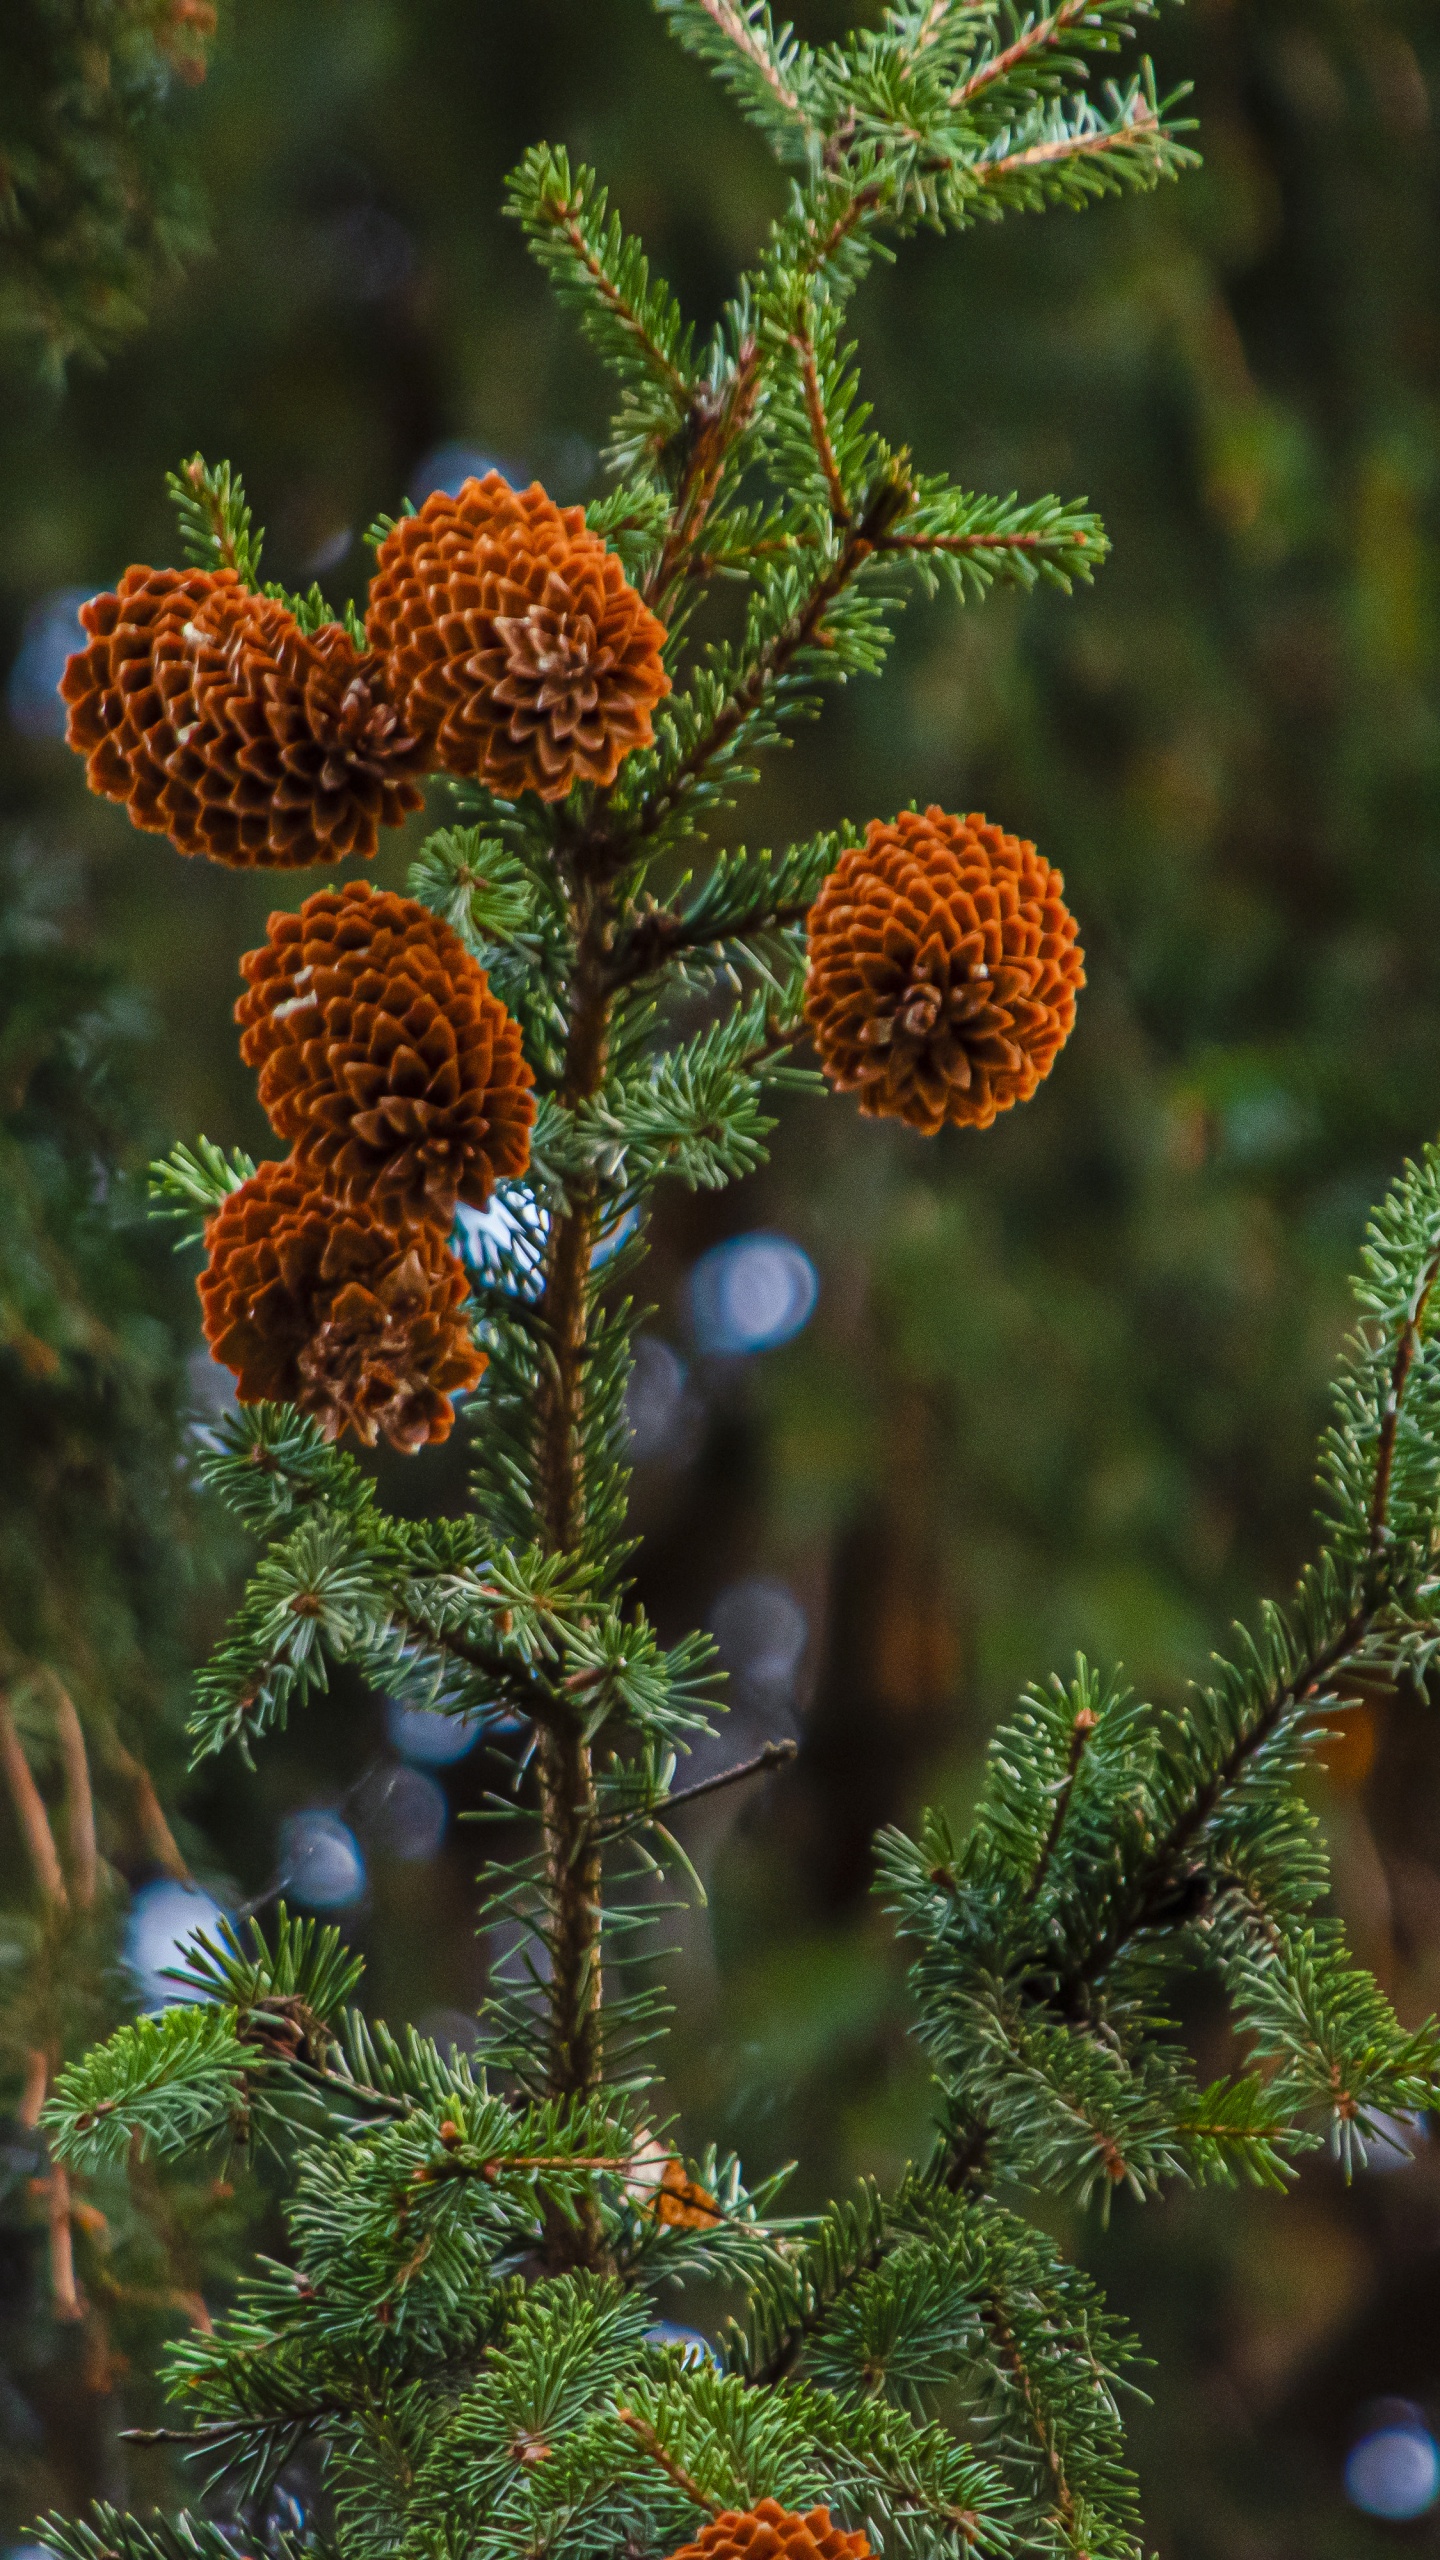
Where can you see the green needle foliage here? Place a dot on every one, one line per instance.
(95, 2270)
(465, 2323)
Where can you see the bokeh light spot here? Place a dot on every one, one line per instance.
(448, 466)
(51, 634)
(423, 1734)
(762, 1632)
(163, 1916)
(1394, 2471)
(751, 1293)
(661, 1408)
(410, 1814)
(320, 1861)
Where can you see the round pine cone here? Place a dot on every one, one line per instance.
(943, 970)
(384, 1056)
(220, 723)
(330, 1309)
(769, 2532)
(513, 644)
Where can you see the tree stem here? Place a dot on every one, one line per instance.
(568, 1806)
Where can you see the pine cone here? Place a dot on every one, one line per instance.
(384, 1055)
(331, 1310)
(681, 2203)
(220, 723)
(943, 970)
(769, 2532)
(514, 646)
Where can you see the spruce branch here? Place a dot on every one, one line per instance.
(651, 2445)
(217, 530)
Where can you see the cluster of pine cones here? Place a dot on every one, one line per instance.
(503, 644)
(398, 1078)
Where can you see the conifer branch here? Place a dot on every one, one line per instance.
(742, 27)
(1015, 2365)
(776, 655)
(1038, 37)
(651, 2445)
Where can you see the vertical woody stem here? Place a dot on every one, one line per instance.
(566, 1775)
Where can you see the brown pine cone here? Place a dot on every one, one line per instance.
(513, 644)
(943, 970)
(384, 1055)
(330, 1309)
(681, 2203)
(769, 2532)
(220, 723)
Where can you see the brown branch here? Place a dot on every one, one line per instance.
(30, 1811)
(64, 2293)
(968, 542)
(650, 2443)
(931, 24)
(864, 200)
(563, 217)
(527, 1685)
(1087, 146)
(155, 1831)
(79, 1797)
(862, 540)
(717, 422)
(730, 23)
(774, 1756)
(804, 346)
(1044, 2435)
(568, 1803)
(37, 2081)
(1046, 31)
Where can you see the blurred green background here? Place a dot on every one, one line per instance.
(1061, 1383)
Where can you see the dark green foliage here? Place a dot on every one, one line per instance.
(98, 209)
(98, 1535)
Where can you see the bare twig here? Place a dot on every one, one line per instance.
(774, 1756)
(64, 2292)
(79, 1796)
(30, 1810)
(155, 1831)
(37, 2081)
